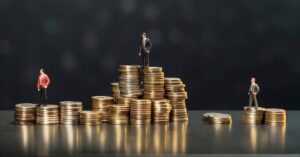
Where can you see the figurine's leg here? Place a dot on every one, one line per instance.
(46, 97)
(148, 60)
(255, 100)
(250, 100)
(144, 60)
(41, 94)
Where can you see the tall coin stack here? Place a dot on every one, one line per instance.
(129, 81)
(101, 104)
(175, 92)
(154, 83)
(140, 111)
(25, 113)
(253, 115)
(90, 118)
(161, 111)
(69, 112)
(275, 116)
(115, 90)
(119, 113)
(48, 114)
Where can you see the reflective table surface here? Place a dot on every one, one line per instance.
(194, 137)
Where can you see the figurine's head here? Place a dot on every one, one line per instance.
(144, 35)
(253, 80)
(42, 71)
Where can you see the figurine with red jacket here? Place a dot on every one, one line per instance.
(42, 85)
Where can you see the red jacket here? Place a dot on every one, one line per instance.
(43, 81)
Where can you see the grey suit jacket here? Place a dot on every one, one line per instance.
(254, 88)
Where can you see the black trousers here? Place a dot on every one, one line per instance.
(145, 59)
(43, 91)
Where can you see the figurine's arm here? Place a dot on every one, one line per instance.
(150, 45)
(257, 89)
(48, 82)
(38, 84)
(140, 51)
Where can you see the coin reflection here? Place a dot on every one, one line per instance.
(27, 134)
(178, 138)
(119, 140)
(49, 136)
(266, 137)
(161, 138)
(221, 134)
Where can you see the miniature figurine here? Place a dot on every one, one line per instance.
(145, 49)
(253, 91)
(42, 85)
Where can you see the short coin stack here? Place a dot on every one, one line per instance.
(90, 118)
(115, 90)
(119, 113)
(161, 111)
(25, 113)
(69, 112)
(101, 104)
(154, 83)
(253, 115)
(129, 81)
(140, 111)
(275, 116)
(48, 114)
(177, 95)
(217, 118)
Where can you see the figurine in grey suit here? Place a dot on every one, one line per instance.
(145, 49)
(253, 91)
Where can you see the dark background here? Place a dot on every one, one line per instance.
(214, 46)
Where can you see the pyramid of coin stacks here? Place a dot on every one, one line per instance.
(48, 114)
(175, 92)
(69, 112)
(25, 113)
(102, 104)
(252, 115)
(161, 100)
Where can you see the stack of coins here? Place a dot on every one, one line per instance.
(115, 90)
(140, 111)
(175, 92)
(25, 113)
(161, 111)
(253, 115)
(154, 83)
(129, 81)
(275, 116)
(101, 104)
(119, 114)
(48, 114)
(217, 118)
(69, 112)
(90, 118)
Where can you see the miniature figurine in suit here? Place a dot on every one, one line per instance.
(253, 91)
(145, 49)
(42, 85)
